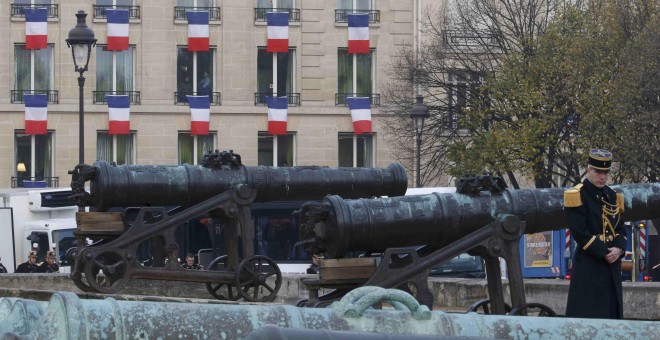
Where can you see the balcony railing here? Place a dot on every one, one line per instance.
(461, 38)
(35, 182)
(180, 12)
(133, 11)
(340, 98)
(341, 15)
(98, 97)
(292, 98)
(180, 98)
(17, 95)
(260, 13)
(17, 10)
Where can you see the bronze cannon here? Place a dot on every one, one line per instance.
(152, 200)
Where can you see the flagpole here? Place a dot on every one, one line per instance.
(195, 91)
(275, 139)
(33, 138)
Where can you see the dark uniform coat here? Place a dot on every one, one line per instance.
(46, 268)
(195, 266)
(27, 267)
(3, 270)
(595, 289)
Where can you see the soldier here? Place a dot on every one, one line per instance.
(190, 263)
(593, 211)
(50, 266)
(30, 266)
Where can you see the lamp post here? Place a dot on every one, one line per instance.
(81, 40)
(419, 113)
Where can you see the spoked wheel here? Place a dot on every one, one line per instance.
(106, 271)
(76, 275)
(252, 279)
(215, 288)
(533, 309)
(484, 307)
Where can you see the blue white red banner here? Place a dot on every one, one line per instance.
(360, 114)
(117, 29)
(36, 28)
(36, 114)
(200, 114)
(277, 115)
(278, 32)
(198, 30)
(119, 109)
(358, 33)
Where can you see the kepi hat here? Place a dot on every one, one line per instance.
(32, 253)
(600, 159)
(51, 254)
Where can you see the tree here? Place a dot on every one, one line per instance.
(551, 89)
(462, 40)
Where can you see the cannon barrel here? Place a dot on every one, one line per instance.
(169, 185)
(337, 226)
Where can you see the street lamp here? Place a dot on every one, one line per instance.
(419, 113)
(81, 40)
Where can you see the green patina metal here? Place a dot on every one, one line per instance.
(66, 316)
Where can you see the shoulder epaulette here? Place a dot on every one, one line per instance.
(620, 202)
(572, 197)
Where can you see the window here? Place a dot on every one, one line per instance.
(33, 80)
(356, 151)
(284, 149)
(356, 6)
(38, 164)
(102, 5)
(463, 85)
(184, 5)
(114, 2)
(198, 145)
(200, 82)
(117, 78)
(360, 84)
(18, 5)
(119, 149)
(264, 6)
(285, 76)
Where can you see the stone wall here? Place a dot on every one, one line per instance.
(641, 299)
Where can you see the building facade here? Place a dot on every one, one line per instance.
(157, 71)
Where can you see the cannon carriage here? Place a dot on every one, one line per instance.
(154, 200)
(417, 233)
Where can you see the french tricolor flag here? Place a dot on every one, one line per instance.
(198, 30)
(278, 32)
(36, 114)
(36, 28)
(119, 110)
(358, 33)
(117, 29)
(200, 113)
(277, 107)
(360, 113)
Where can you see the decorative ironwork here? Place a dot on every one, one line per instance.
(473, 185)
(17, 95)
(340, 98)
(341, 15)
(35, 182)
(180, 12)
(260, 13)
(98, 97)
(133, 11)
(17, 10)
(292, 97)
(181, 99)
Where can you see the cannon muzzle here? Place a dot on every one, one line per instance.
(337, 226)
(185, 185)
